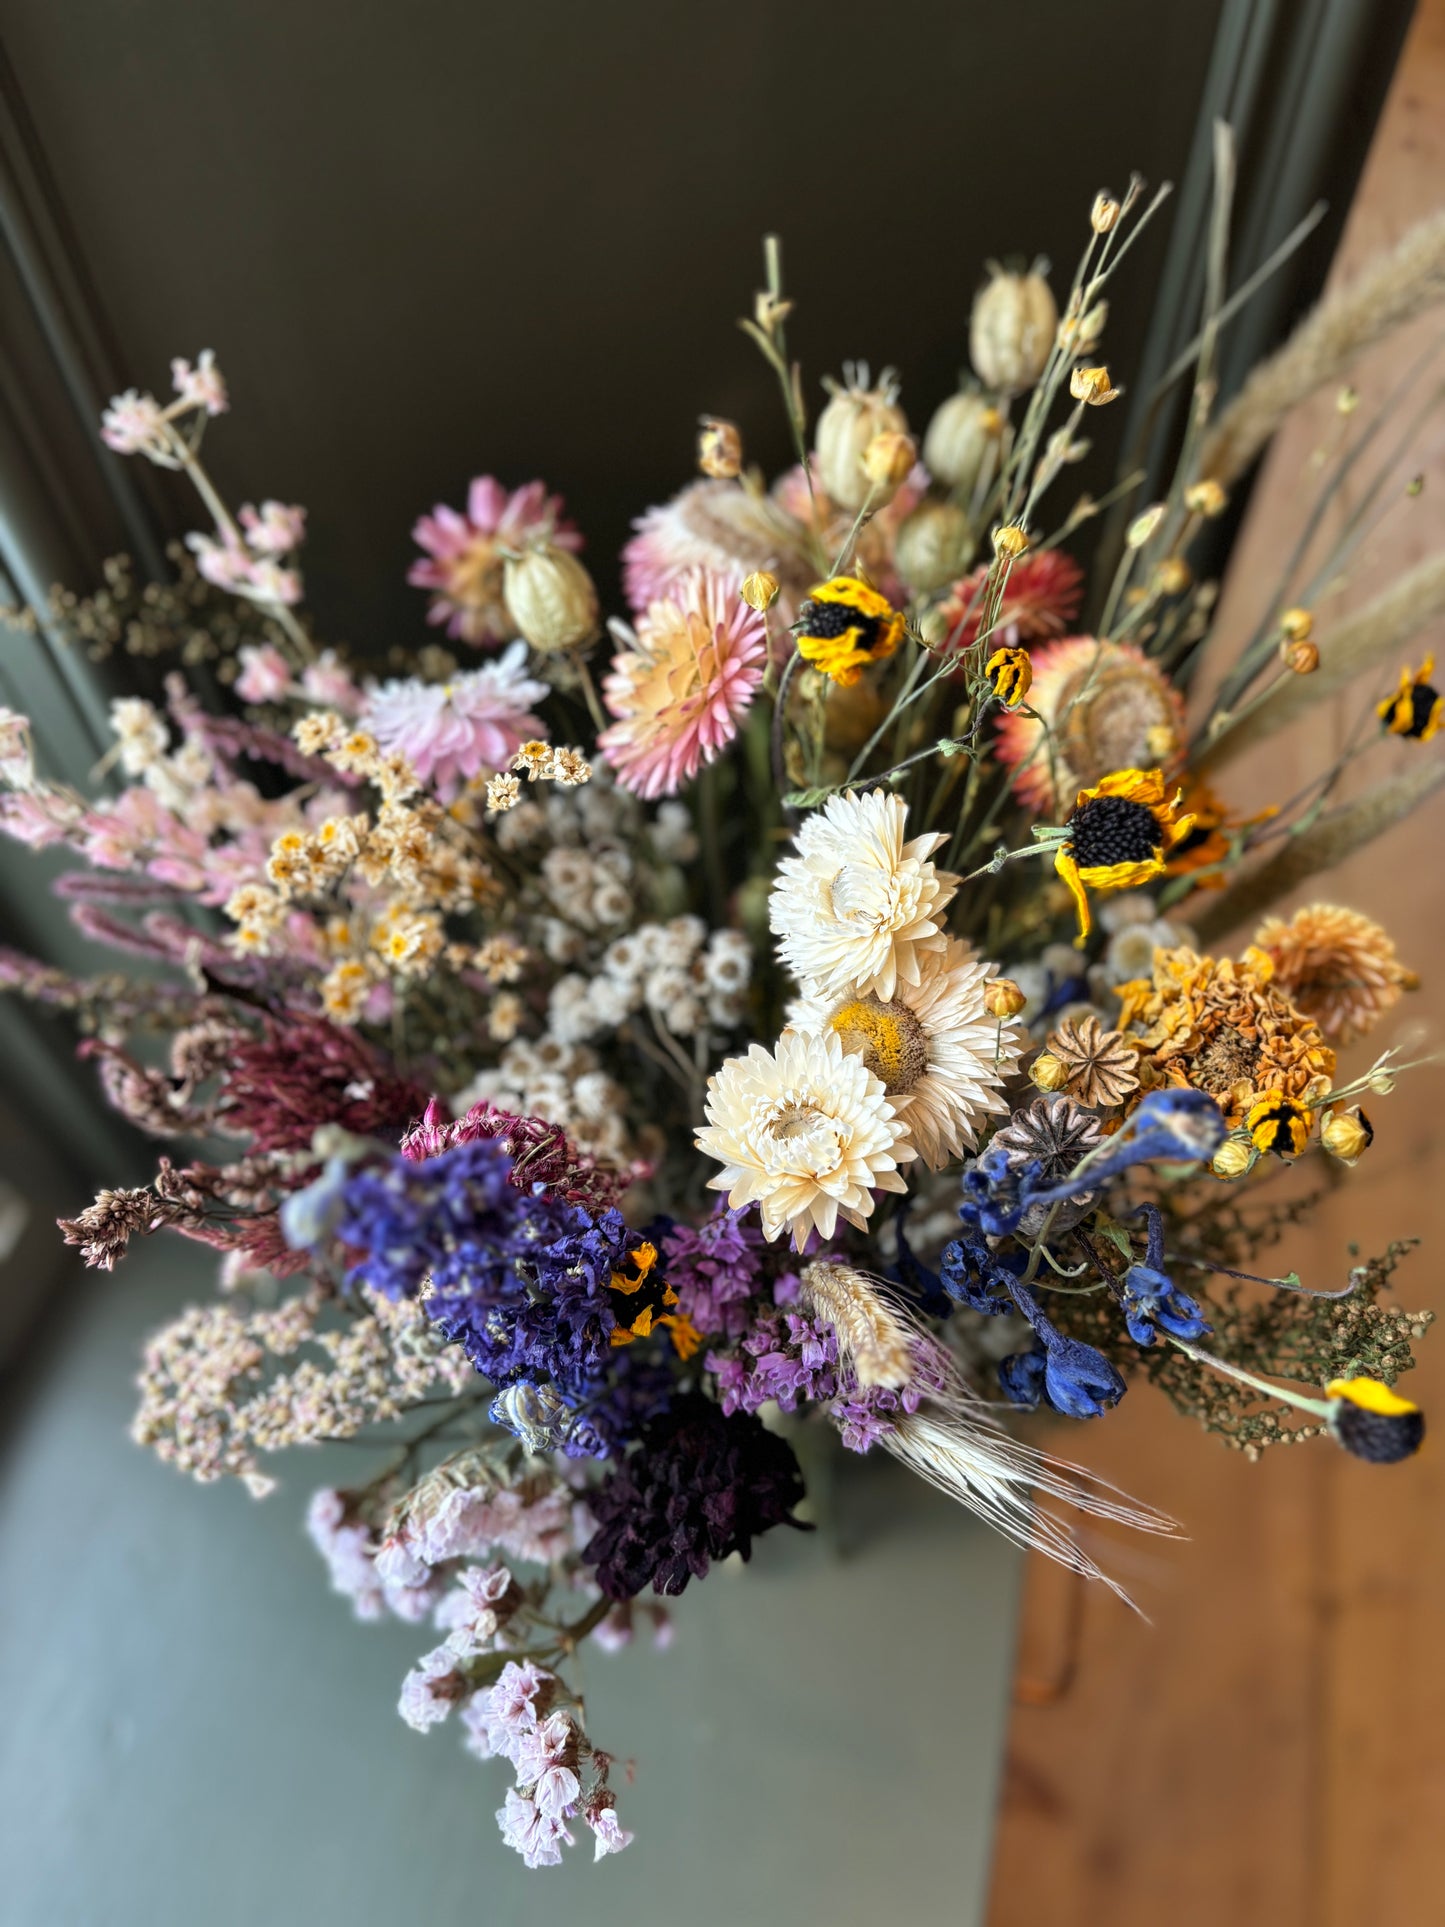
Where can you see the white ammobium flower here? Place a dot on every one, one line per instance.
(939, 1054)
(858, 908)
(806, 1132)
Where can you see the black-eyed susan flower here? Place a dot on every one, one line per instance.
(1280, 1124)
(1010, 674)
(844, 625)
(1417, 708)
(1118, 836)
(642, 1300)
(1371, 1422)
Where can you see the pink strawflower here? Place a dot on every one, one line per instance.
(681, 690)
(274, 528)
(131, 425)
(451, 731)
(265, 673)
(203, 386)
(463, 561)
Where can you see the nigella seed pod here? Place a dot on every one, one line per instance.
(1012, 330)
(962, 444)
(852, 420)
(551, 599)
(933, 547)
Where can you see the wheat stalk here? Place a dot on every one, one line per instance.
(1320, 847)
(1391, 290)
(872, 1337)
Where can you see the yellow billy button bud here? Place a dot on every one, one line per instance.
(1104, 213)
(1297, 625)
(888, 462)
(1303, 657)
(1002, 998)
(1172, 577)
(1050, 1073)
(1205, 498)
(1092, 385)
(1232, 1159)
(1011, 674)
(1280, 1124)
(1347, 1135)
(1010, 540)
(760, 590)
(719, 449)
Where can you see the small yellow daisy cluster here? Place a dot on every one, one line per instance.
(539, 763)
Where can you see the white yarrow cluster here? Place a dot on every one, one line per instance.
(690, 980)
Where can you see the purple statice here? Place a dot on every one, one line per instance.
(700, 1485)
(715, 1269)
(864, 1414)
(782, 1357)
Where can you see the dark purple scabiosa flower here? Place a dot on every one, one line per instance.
(700, 1485)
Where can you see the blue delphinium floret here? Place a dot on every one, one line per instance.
(1151, 1298)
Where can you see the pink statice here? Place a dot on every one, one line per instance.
(609, 1835)
(432, 1688)
(275, 528)
(474, 1611)
(470, 1523)
(545, 1758)
(452, 731)
(345, 1544)
(225, 563)
(498, 1719)
(265, 673)
(463, 563)
(203, 385)
(682, 687)
(536, 1835)
(133, 423)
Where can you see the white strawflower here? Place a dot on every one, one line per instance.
(939, 1054)
(857, 907)
(806, 1132)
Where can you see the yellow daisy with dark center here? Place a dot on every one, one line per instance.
(1119, 833)
(844, 625)
(1372, 1422)
(641, 1301)
(1280, 1124)
(1417, 708)
(1011, 675)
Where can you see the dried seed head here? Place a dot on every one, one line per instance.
(1050, 1073)
(1303, 656)
(1011, 331)
(1297, 625)
(760, 590)
(719, 449)
(1143, 526)
(933, 546)
(551, 598)
(888, 461)
(1173, 575)
(1205, 498)
(1002, 998)
(871, 1335)
(1104, 214)
(853, 419)
(1010, 540)
(1347, 1135)
(962, 444)
(1232, 1159)
(1093, 386)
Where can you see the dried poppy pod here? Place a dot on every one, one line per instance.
(551, 598)
(1011, 332)
(933, 546)
(961, 447)
(853, 419)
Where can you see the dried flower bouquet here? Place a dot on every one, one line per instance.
(588, 1082)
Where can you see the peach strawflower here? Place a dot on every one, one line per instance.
(1337, 966)
(1107, 706)
(680, 690)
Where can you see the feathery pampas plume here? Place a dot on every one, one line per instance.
(1392, 290)
(1324, 844)
(1361, 641)
(954, 1440)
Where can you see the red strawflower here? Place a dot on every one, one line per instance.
(1045, 589)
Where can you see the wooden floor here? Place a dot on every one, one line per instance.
(1272, 1748)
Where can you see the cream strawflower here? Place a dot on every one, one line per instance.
(857, 908)
(940, 1056)
(806, 1132)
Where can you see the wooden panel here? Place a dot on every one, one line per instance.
(1273, 1747)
